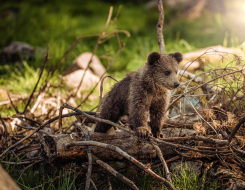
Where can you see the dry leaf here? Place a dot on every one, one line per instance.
(241, 140)
(216, 124)
(209, 114)
(194, 154)
(200, 130)
(231, 121)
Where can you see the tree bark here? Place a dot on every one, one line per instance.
(53, 147)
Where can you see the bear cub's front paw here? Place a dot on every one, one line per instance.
(143, 132)
(159, 135)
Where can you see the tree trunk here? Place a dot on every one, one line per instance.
(53, 147)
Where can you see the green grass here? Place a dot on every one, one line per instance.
(70, 178)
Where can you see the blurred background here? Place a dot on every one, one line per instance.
(188, 25)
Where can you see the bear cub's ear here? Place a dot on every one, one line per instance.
(153, 57)
(177, 55)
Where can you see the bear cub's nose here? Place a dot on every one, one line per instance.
(176, 84)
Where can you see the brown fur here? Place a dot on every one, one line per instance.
(143, 92)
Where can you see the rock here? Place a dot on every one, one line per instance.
(18, 51)
(82, 61)
(190, 167)
(214, 55)
(3, 95)
(73, 79)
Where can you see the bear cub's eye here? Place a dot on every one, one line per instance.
(167, 72)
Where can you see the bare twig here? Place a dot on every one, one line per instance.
(40, 97)
(198, 86)
(125, 155)
(36, 130)
(95, 48)
(93, 184)
(108, 67)
(108, 181)
(201, 116)
(89, 172)
(32, 128)
(22, 97)
(197, 138)
(159, 28)
(36, 162)
(134, 133)
(238, 150)
(4, 125)
(41, 73)
(15, 108)
(205, 173)
(58, 62)
(19, 163)
(101, 89)
(115, 173)
(159, 153)
(236, 129)
(60, 119)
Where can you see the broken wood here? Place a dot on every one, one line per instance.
(7, 183)
(53, 147)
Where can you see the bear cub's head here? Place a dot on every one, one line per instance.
(164, 69)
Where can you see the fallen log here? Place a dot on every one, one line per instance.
(53, 147)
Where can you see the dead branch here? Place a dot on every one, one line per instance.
(160, 28)
(15, 108)
(159, 153)
(4, 125)
(125, 155)
(89, 172)
(93, 184)
(22, 97)
(115, 173)
(202, 117)
(134, 133)
(198, 86)
(40, 97)
(101, 89)
(108, 181)
(236, 129)
(41, 73)
(95, 48)
(107, 68)
(205, 173)
(37, 162)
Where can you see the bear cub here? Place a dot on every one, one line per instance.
(142, 93)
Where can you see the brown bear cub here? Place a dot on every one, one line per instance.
(142, 92)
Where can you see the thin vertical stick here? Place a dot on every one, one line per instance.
(15, 108)
(4, 125)
(101, 90)
(89, 172)
(108, 181)
(107, 68)
(40, 76)
(95, 48)
(159, 153)
(115, 173)
(160, 28)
